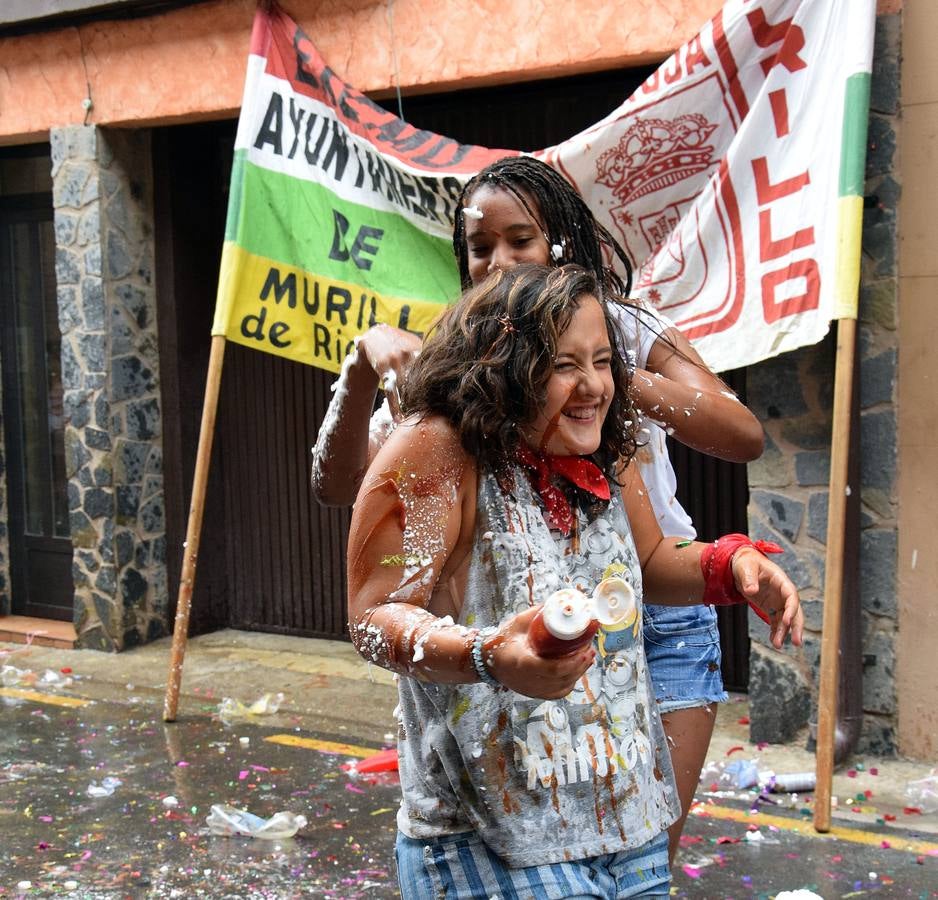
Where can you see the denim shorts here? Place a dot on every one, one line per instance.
(682, 645)
(462, 867)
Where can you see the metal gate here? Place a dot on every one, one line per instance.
(286, 573)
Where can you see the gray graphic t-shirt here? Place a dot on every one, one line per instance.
(541, 781)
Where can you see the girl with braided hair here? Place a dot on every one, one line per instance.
(525, 774)
(520, 210)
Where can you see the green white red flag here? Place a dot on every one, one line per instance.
(733, 177)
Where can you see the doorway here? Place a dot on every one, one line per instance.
(40, 545)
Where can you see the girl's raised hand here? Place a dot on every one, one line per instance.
(770, 590)
(390, 352)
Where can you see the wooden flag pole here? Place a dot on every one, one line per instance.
(834, 573)
(194, 528)
(846, 291)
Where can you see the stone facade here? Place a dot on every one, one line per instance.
(793, 397)
(103, 199)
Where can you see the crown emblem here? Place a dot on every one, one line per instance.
(655, 154)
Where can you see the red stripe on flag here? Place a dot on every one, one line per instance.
(260, 33)
(728, 196)
(292, 57)
(779, 102)
(728, 62)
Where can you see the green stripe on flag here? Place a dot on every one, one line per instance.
(851, 187)
(234, 194)
(853, 139)
(297, 222)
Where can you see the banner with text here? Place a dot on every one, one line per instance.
(732, 176)
(339, 214)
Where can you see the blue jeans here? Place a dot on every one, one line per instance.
(462, 867)
(682, 645)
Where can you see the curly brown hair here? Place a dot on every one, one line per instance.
(486, 363)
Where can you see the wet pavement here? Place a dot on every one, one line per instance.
(149, 839)
(141, 831)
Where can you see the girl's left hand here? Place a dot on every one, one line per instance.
(767, 587)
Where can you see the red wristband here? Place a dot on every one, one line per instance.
(716, 566)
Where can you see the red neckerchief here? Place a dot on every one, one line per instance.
(576, 469)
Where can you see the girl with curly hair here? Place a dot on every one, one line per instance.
(523, 774)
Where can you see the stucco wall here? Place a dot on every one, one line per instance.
(918, 410)
(189, 64)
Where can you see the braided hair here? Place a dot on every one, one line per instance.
(567, 224)
(560, 212)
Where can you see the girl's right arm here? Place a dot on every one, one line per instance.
(345, 445)
(405, 526)
(410, 538)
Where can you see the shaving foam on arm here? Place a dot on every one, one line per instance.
(406, 522)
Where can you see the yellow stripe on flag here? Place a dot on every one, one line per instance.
(849, 236)
(291, 740)
(50, 699)
(280, 309)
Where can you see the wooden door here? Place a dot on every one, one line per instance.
(33, 424)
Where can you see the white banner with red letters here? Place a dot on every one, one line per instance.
(732, 175)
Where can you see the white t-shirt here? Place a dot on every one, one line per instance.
(641, 327)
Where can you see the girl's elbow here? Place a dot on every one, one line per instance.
(752, 442)
(744, 443)
(359, 633)
(331, 491)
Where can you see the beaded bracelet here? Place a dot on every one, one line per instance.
(478, 663)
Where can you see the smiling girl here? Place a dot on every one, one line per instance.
(519, 210)
(524, 775)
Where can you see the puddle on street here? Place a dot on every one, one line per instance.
(144, 833)
(126, 842)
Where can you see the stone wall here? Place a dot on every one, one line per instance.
(793, 396)
(103, 199)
